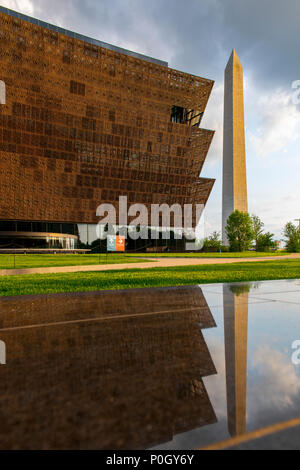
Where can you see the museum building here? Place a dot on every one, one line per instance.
(83, 122)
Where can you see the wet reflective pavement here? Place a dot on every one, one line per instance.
(167, 368)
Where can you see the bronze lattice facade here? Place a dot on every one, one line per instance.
(84, 123)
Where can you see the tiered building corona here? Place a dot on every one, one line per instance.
(84, 122)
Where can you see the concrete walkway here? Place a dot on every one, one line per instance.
(154, 263)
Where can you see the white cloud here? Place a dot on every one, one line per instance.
(213, 119)
(278, 121)
(277, 376)
(23, 6)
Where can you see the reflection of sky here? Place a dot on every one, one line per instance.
(273, 382)
(273, 390)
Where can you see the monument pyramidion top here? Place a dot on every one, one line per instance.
(233, 61)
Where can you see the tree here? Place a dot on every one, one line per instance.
(212, 243)
(239, 289)
(257, 226)
(292, 235)
(265, 242)
(239, 231)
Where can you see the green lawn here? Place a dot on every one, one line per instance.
(153, 277)
(244, 254)
(41, 261)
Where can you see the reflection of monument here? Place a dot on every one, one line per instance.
(235, 333)
(234, 156)
(110, 370)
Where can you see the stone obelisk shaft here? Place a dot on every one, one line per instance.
(234, 155)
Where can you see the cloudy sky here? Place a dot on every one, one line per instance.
(197, 36)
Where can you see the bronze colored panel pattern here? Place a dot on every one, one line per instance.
(83, 124)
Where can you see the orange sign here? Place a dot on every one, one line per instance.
(120, 243)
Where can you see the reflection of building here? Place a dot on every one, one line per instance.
(236, 332)
(110, 370)
(234, 155)
(85, 122)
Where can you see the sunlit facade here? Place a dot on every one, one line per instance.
(84, 122)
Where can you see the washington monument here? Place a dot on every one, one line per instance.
(234, 155)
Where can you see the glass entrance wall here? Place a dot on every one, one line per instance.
(29, 226)
(89, 239)
(68, 236)
(42, 235)
(30, 240)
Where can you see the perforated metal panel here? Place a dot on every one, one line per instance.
(84, 124)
